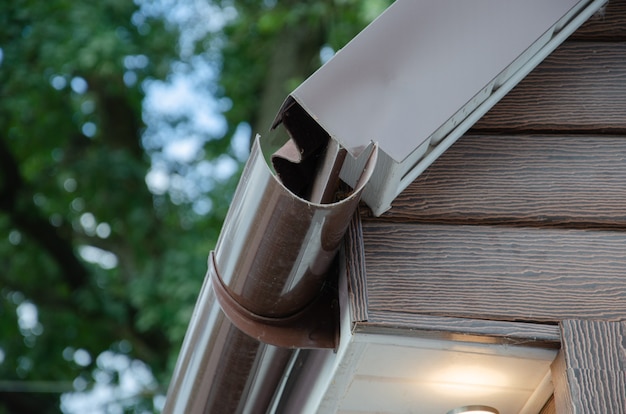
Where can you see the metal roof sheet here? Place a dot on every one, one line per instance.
(412, 69)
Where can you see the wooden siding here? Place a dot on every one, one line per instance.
(522, 224)
(581, 87)
(354, 262)
(503, 273)
(574, 181)
(590, 372)
(523, 218)
(608, 25)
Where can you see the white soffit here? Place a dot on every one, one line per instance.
(420, 62)
(427, 376)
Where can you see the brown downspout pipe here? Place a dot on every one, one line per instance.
(269, 289)
(218, 363)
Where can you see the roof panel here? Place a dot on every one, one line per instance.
(421, 61)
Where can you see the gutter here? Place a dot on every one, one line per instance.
(271, 286)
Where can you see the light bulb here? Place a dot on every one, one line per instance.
(474, 409)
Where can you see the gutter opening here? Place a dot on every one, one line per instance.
(309, 161)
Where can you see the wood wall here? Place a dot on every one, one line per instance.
(524, 218)
(522, 221)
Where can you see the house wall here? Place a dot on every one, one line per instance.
(523, 220)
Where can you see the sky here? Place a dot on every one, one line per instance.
(181, 116)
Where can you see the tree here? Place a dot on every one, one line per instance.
(92, 263)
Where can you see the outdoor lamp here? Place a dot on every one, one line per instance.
(474, 409)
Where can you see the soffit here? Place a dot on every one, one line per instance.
(391, 374)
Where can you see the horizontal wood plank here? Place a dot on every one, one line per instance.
(581, 87)
(609, 24)
(498, 273)
(567, 181)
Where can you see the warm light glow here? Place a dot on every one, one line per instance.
(471, 375)
(468, 379)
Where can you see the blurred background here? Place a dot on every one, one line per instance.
(123, 129)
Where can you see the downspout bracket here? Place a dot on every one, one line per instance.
(314, 327)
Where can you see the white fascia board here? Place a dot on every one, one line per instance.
(423, 72)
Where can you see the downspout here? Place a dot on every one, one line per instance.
(270, 287)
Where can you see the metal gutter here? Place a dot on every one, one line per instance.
(271, 284)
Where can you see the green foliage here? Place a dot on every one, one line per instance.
(72, 175)
(258, 31)
(107, 265)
